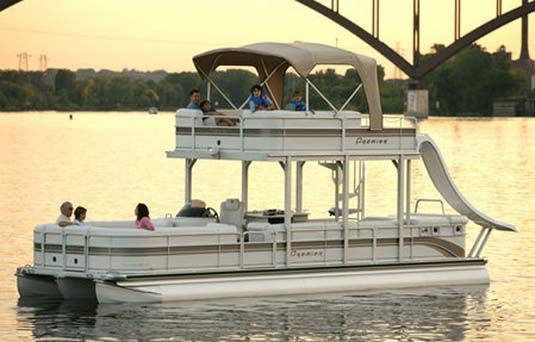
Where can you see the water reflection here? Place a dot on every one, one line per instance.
(434, 314)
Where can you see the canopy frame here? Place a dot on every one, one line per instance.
(268, 58)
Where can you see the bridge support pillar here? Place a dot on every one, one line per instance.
(417, 100)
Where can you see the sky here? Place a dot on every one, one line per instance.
(165, 34)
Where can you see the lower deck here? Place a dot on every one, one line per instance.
(186, 245)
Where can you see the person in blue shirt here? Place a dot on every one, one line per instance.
(194, 99)
(297, 103)
(259, 100)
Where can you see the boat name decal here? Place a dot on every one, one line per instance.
(306, 253)
(365, 141)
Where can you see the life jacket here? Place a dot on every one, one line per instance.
(260, 101)
(299, 105)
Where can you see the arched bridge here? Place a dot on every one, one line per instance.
(418, 70)
(414, 70)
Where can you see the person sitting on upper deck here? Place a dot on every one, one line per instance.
(194, 99)
(64, 219)
(210, 120)
(297, 103)
(259, 100)
(142, 217)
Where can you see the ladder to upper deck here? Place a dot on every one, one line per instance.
(356, 187)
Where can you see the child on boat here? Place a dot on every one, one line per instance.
(297, 103)
(79, 216)
(259, 100)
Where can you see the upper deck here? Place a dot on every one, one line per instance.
(272, 135)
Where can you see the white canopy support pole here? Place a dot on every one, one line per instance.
(287, 207)
(188, 179)
(268, 87)
(262, 83)
(401, 177)
(350, 98)
(219, 90)
(245, 183)
(322, 96)
(299, 186)
(208, 91)
(345, 208)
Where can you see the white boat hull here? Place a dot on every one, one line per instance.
(290, 283)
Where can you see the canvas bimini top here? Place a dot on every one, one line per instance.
(271, 60)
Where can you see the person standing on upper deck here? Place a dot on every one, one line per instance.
(194, 99)
(259, 100)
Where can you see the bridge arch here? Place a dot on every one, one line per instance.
(417, 72)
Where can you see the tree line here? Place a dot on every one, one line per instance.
(467, 83)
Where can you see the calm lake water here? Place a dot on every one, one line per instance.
(108, 162)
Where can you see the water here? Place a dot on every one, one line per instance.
(108, 163)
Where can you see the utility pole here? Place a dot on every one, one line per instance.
(23, 60)
(43, 62)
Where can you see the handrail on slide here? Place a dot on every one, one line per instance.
(429, 200)
(438, 172)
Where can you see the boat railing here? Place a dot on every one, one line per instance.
(429, 200)
(242, 239)
(344, 124)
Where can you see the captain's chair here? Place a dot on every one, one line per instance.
(231, 212)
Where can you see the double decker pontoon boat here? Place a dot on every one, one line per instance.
(246, 252)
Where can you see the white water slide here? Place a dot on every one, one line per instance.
(438, 172)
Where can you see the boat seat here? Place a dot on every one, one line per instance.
(231, 212)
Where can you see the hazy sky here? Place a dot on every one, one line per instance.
(165, 34)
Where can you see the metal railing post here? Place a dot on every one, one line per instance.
(476, 242)
(483, 243)
(345, 207)
(400, 216)
(287, 207)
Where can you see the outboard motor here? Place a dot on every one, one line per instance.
(189, 210)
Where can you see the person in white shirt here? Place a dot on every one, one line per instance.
(79, 216)
(64, 219)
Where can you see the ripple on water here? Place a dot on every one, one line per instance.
(33, 148)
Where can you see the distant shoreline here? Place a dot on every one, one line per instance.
(172, 111)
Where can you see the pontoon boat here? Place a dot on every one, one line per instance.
(242, 251)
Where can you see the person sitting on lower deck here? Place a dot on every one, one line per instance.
(142, 217)
(214, 118)
(297, 103)
(259, 100)
(64, 219)
(79, 216)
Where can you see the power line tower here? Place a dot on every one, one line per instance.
(24, 58)
(43, 62)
